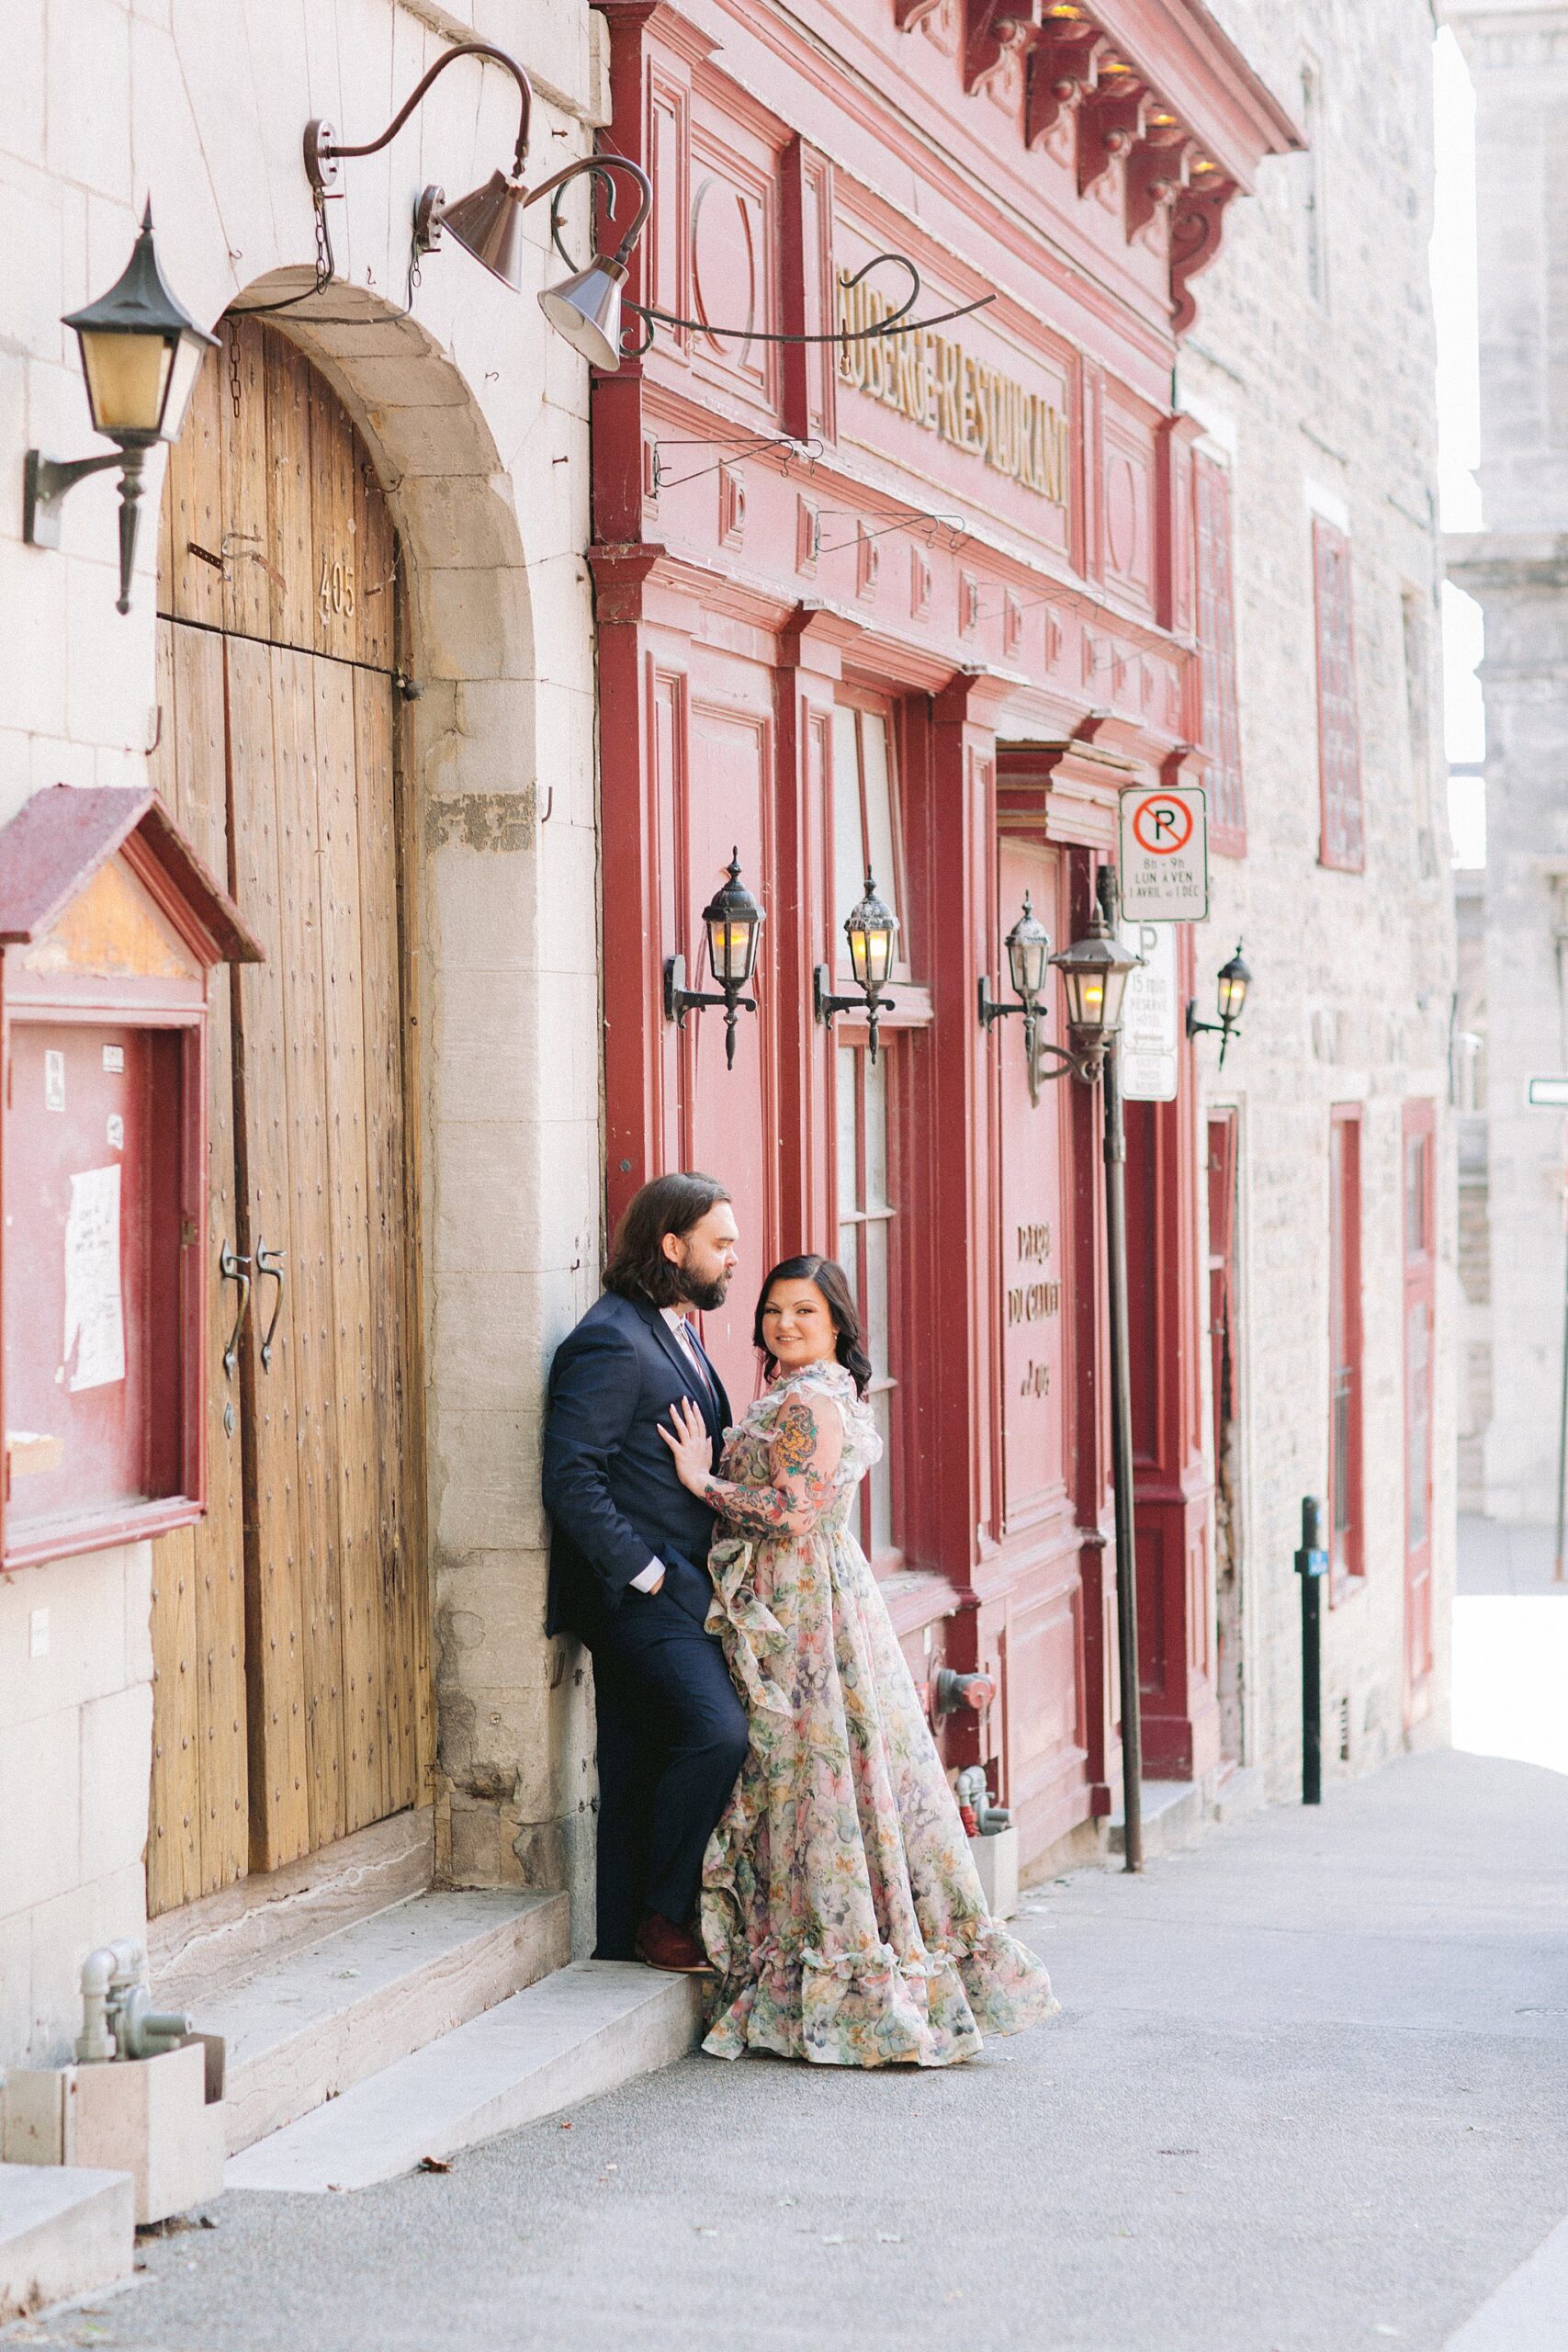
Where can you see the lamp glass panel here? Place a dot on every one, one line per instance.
(732, 944)
(188, 356)
(878, 955)
(128, 376)
(1026, 962)
(1233, 995)
(1115, 989)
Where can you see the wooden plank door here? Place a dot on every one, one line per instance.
(278, 579)
(199, 1837)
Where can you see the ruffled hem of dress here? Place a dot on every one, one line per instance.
(874, 2009)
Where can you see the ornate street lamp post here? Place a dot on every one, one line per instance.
(1094, 978)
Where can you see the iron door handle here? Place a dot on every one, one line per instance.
(231, 1269)
(270, 1262)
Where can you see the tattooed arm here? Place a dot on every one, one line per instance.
(807, 1447)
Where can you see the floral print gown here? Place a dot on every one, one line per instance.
(840, 1907)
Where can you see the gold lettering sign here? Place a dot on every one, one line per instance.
(937, 384)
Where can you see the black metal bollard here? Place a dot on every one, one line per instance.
(1312, 1567)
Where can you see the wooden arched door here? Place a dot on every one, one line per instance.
(292, 1700)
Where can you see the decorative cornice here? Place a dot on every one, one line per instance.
(1149, 102)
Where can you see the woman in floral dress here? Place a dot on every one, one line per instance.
(840, 1907)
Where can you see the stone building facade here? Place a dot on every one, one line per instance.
(458, 436)
(468, 418)
(1516, 566)
(1311, 370)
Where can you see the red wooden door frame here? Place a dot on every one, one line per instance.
(1419, 1134)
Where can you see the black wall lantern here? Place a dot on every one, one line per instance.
(141, 352)
(871, 929)
(733, 921)
(1233, 982)
(586, 307)
(1028, 948)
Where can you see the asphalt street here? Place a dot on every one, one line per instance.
(1309, 2091)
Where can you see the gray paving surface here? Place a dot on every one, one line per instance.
(1309, 2091)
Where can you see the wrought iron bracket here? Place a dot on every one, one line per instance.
(47, 482)
(678, 999)
(1223, 1030)
(825, 1004)
(993, 1009)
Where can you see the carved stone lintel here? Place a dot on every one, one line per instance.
(1063, 67)
(997, 36)
(1110, 123)
(1196, 225)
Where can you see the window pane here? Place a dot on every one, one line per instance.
(881, 1480)
(879, 804)
(849, 846)
(874, 1305)
(848, 1174)
(876, 1133)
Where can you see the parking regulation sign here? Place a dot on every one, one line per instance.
(1164, 871)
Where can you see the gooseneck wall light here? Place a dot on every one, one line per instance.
(871, 929)
(733, 921)
(1233, 982)
(141, 352)
(1028, 948)
(585, 308)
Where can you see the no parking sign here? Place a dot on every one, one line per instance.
(1163, 864)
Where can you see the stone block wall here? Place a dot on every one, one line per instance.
(1310, 368)
(476, 417)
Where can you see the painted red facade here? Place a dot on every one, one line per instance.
(929, 600)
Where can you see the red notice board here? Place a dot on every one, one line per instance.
(108, 927)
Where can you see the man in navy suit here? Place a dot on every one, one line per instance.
(628, 1565)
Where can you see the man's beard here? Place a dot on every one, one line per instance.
(706, 1296)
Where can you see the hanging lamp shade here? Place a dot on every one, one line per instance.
(586, 310)
(489, 224)
(1094, 975)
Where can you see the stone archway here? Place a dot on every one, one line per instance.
(470, 814)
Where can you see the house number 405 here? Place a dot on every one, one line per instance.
(336, 590)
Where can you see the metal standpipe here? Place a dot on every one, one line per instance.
(1122, 1461)
(1312, 1567)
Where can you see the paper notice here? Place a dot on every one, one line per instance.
(94, 1318)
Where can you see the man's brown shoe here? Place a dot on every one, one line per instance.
(664, 1945)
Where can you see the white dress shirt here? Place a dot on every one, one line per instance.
(653, 1573)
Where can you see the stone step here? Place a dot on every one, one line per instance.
(311, 2024)
(1172, 1812)
(63, 2232)
(571, 2036)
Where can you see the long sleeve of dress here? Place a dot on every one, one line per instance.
(807, 1442)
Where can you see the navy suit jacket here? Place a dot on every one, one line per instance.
(609, 1479)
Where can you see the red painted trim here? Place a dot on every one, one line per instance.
(1342, 833)
(1418, 1137)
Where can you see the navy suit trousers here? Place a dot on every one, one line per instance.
(672, 1738)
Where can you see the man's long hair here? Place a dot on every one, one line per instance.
(638, 1267)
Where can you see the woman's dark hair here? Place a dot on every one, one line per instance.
(638, 1267)
(833, 1282)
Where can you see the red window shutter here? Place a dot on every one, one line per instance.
(1342, 836)
(1216, 657)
